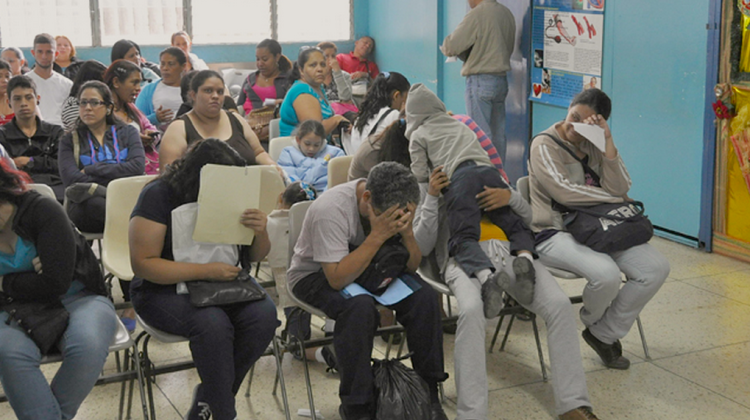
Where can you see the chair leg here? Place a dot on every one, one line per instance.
(497, 331)
(401, 345)
(249, 380)
(539, 347)
(148, 375)
(643, 337)
(441, 391)
(122, 368)
(450, 310)
(307, 380)
(280, 378)
(507, 332)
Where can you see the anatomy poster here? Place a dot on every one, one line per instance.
(567, 39)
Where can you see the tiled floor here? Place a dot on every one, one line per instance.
(698, 333)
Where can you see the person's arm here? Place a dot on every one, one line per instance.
(373, 69)
(408, 239)
(68, 165)
(145, 102)
(54, 240)
(341, 274)
(343, 84)
(173, 144)
(615, 178)
(426, 215)
(286, 162)
(258, 221)
(146, 243)
(308, 108)
(462, 38)
(546, 161)
(47, 161)
(419, 160)
(134, 164)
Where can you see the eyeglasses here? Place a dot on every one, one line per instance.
(95, 103)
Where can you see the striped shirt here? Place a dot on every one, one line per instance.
(486, 143)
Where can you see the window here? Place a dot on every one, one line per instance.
(152, 22)
(231, 21)
(20, 21)
(320, 20)
(146, 22)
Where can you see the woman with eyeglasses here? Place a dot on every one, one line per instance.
(101, 149)
(306, 99)
(380, 108)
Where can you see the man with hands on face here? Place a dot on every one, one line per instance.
(364, 214)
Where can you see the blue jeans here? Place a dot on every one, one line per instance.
(84, 347)
(225, 340)
(485, 103)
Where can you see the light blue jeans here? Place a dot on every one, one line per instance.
(609, 310)
(550, 303)
(485, 103)
(84, 347)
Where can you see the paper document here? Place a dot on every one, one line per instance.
(397, 291)
(592, 133)
(451, 59)
(227, 191)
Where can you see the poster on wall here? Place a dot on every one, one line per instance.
(566, 41)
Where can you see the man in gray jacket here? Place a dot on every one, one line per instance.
(484, 41)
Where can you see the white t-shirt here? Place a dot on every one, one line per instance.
(358, 137)
(331, 224)
(168, 97)
(52, 94)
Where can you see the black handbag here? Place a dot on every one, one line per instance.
(44, 322)
(215, 293)
(387, 264)
(606, 227)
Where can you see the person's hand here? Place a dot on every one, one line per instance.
(37, 265)
(21, 161)
(438, 181)
(493, 198)
(407, 220)
(359, 75)
(254, 219)
(387, 223)
(334, 64)
(221, 271)
(147, 138)
(164, 115)
(597, 119)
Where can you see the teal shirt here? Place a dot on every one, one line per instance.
(289, 120)
(23, 260)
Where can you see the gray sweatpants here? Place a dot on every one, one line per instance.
(550, 303)
(609, 310)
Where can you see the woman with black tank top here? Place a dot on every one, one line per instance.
(207, 119)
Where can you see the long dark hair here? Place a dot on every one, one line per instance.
(90, 70)
(183, 175)
(274, 48)
(302, 59)
(380, 95)
(122, 69)
(106, 95)
(121, 48)
(394, 146)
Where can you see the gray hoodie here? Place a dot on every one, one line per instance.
(435, 138)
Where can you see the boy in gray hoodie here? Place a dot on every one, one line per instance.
(436, 139)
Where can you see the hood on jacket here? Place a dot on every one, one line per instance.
(422, 104)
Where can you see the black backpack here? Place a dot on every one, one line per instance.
(387, 264)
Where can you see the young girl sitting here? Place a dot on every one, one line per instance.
(298, 321)
(308, 160)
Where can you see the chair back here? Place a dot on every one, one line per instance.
(122, 195)
(44, 190)
(338, 170)
(273, 128)
(277, 144)
(522, 185)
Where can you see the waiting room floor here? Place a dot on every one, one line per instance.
(696, 327)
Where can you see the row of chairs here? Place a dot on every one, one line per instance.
(338, 168)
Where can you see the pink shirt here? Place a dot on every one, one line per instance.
(263, 93)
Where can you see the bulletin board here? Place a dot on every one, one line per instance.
(566, 41)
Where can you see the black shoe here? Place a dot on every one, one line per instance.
(525, 280)
(330, 357)
(611, 354)
(450, 328)
(198, 410)
(353, 413)
(492, 293)
(436, 412)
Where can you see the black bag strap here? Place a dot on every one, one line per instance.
(382, 117)
(586, 167)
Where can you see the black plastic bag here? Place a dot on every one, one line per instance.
(401, 393)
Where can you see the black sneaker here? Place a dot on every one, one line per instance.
(492, 293)
(198, 410)
(330, 357)
(611, 354)
(525, 280)
(354, 413)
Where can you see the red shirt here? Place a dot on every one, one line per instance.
(6, 119)
(351, 64)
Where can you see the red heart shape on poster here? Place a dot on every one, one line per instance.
(537, 89)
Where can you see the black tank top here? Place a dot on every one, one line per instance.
(236, 140)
